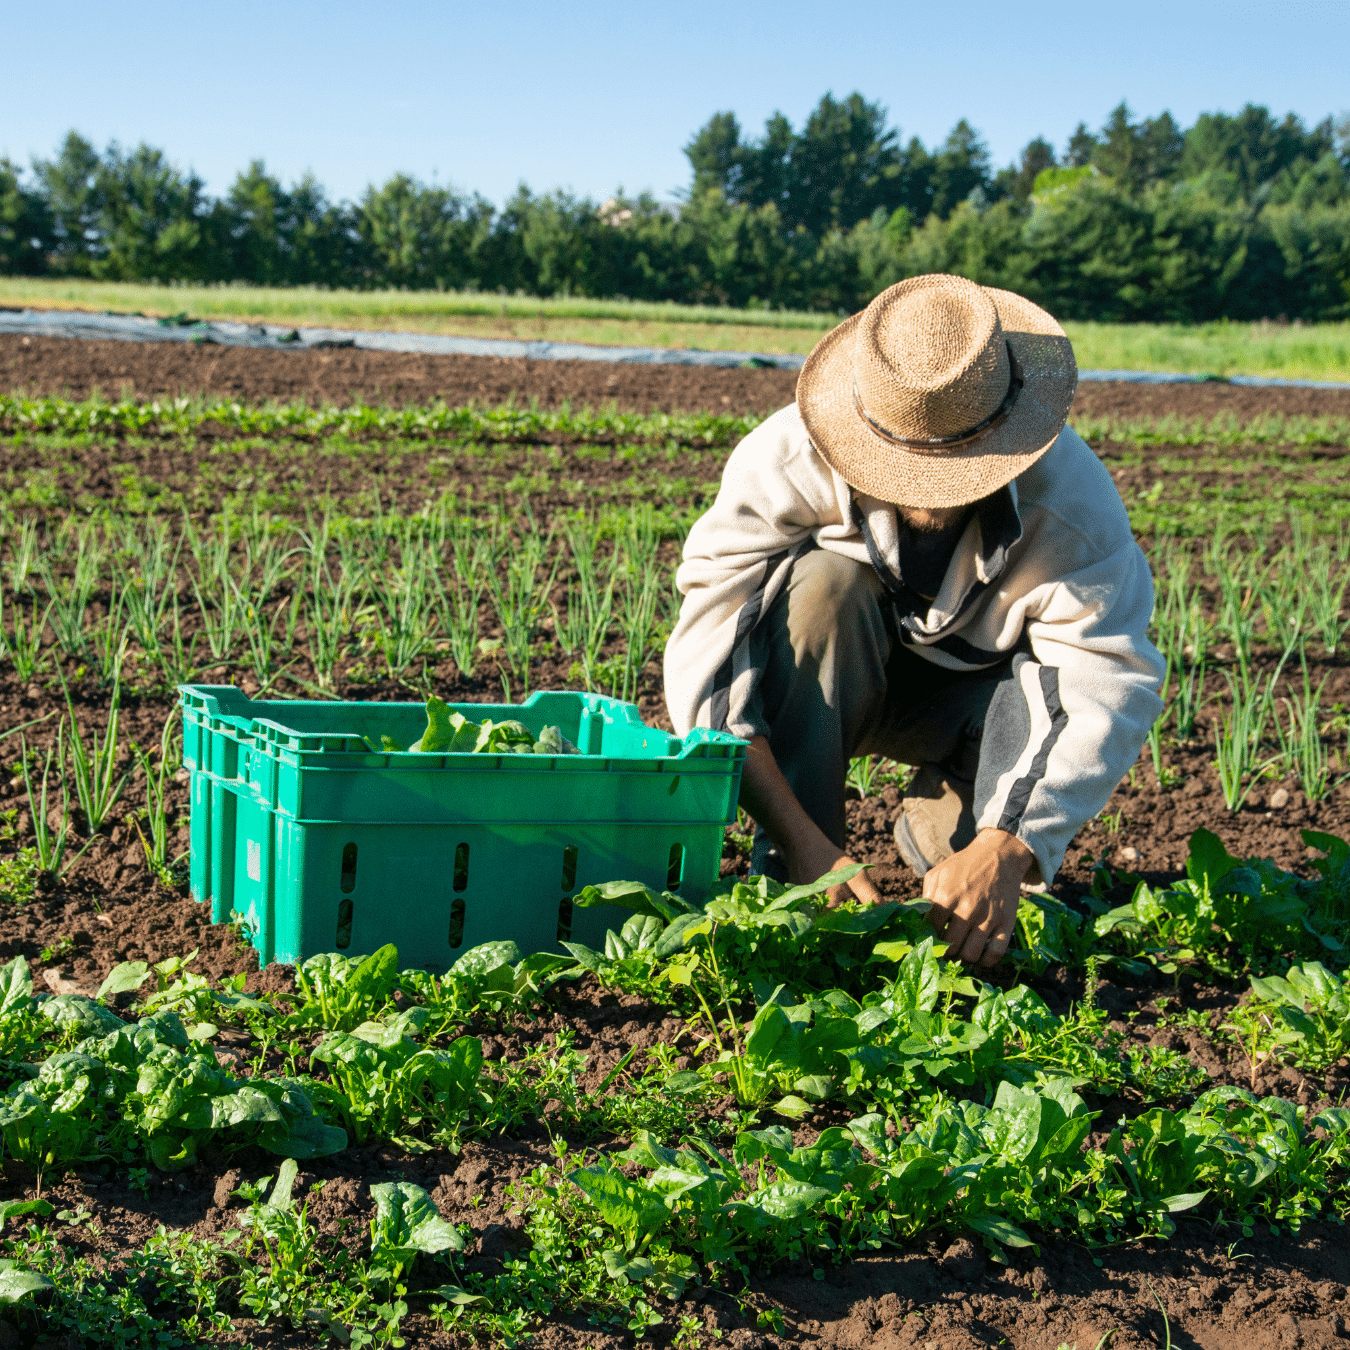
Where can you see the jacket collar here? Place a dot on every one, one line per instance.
(979, 560)
(1000, 528)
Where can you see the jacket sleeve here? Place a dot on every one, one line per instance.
(772, 499)
(1068, 724)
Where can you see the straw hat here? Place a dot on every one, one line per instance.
(939, 392)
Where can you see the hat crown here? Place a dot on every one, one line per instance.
(930, 361)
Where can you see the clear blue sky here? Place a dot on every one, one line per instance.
(591, 96)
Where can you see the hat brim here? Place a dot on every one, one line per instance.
(965, 473)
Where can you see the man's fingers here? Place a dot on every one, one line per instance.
(973, 947)
(996, 950)
(864, 890)
(1002, 925)
(940, 912)
(958, 930)
(860, 887)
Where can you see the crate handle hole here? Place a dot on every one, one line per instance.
(456, 934)
(565, 918)
(569, 875)
(461, 874)
(675, 867)
(343, 940)
(348, 878)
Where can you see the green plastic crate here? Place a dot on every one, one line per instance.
(321, 845)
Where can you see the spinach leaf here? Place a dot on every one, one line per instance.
(451, 733)
(407, 1222)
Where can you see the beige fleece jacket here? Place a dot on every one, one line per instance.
(1066, 575)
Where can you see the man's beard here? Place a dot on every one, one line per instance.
(932, 527)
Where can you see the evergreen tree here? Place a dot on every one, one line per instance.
(915, 184)
(716, 156)
(423, 237)
(25, 225)
(1018, 180)
(842, 167)
(959, 168)
(1135, 154)
(765, 166)
(71, 189)
(1078, 151)
(1252, 146)
(151, 219)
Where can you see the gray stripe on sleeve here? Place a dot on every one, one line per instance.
(1004, 735)
(746, 621)
(745, 625)
(1016, 805)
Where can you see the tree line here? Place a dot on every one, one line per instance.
(1240, 216)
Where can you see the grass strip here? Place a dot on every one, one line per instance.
(1319, 351)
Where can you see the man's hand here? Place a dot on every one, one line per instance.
(974, 895)
(810, 858)
(807, 849)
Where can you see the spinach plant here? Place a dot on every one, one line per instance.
(385, 1085)
(1309, 1008)
(451, 733)
(1228, 915)
(406, 1224)
(490, 978)
(339, 992)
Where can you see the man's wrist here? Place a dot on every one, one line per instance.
(1011, 851)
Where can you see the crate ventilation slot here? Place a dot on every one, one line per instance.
(675, 867)
(348, 878)
(343, 940)
(456, 935)
(565, 919)
(461, 870)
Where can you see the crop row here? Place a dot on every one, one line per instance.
(186, 416)
(385, 599)
(965, 1107)
(1222, 429)
(302, 608)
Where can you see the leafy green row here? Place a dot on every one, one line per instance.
(144, 1083)
(274, 1268)
(183, 416)
(121, 1088)
(902, 1035)
(849, 1004)
(971, 1105)
(1228, 916)
(1224, 429)
(1019, 1160)
(186, 415)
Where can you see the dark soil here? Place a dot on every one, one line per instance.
(1220, 1291)
(1211, 398)
(72, 368)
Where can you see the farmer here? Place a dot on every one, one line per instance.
(919, 559)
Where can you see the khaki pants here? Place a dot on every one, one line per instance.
(836, 682)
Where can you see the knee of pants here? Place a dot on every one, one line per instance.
(832, 599)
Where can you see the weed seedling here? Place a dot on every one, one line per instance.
(1167, 1326)
(59, 950)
